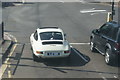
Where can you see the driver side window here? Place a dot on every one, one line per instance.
(36, 35)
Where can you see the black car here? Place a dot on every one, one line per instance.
(7, 4)
(106, 40)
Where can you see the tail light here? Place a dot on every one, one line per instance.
(38, 52)
(67, 51)
(117, 45)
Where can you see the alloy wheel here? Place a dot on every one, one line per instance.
(107, 56)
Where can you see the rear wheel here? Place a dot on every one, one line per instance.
(35, 58)
(108, 57)
(31, 48)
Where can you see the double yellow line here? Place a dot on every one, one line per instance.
(7, 63)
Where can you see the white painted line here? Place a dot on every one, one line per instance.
(17, 4)
(104, 78)
(11, 36)
(115, 76)
(8, 37)
(81, 56)
(61, 1)
(98, 13)
(94, 13)
(23, 1)
(80, 43)
(90, 11)
(82, 1)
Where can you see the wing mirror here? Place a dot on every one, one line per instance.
(96, 31)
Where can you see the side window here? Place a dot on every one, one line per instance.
(106, 30)
(36, 35)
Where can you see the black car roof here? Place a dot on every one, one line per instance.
(114, 24)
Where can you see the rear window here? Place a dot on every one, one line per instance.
(114, 33)
(51, 36)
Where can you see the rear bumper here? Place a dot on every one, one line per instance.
(116, 55)
(47, 56)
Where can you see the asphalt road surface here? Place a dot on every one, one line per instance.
(77, 20)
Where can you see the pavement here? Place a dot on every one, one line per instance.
(5, 46)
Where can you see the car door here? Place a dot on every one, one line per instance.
(105, 35)
(96, 37)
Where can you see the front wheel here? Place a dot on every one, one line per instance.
(92, 46)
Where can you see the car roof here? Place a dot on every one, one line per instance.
(114, 24)
(49, 29)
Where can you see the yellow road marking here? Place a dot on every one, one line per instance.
(5, 65)
(9, 71)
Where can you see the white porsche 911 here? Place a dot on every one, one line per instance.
(49, 42)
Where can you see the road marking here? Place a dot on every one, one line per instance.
(4, 66)
(7, 35)
(9, 71)
(9, 74)
(23, 1)
(61, 1)
(91, 11)
(80, 55)
(80, 43)
(115, 76)
(98, 13)
(104, 78)
(82, 1)
(94, 13)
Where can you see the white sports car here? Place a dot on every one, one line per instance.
(49, 42)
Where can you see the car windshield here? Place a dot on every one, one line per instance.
(51, 36)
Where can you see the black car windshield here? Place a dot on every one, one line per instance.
(51, 36)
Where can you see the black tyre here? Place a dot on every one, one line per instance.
(108, 57)
(31, 48)
(92, 46)
(35, 58)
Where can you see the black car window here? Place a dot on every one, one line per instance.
(51, 36)
(114, 33)
(106, 30)
(36, 35)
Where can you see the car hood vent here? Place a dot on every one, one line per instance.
(52, 42)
